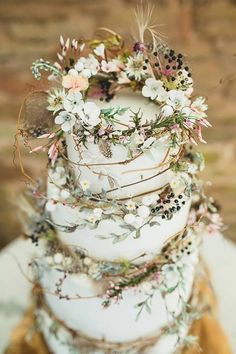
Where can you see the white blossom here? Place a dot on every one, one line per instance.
(154, 90)
(66, 120)
(130, 205)
(134, 66)
(84, 184)
(109, 66)
(89, 114)
(99, 50)
(55, 100)
(129, 218)
(65, 194)
(58, 258)
(143, 211)
(73, 102)
(58, 175)
(177, 99)
(87, 261)
(87, 66)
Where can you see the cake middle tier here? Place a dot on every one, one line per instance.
(113, 239)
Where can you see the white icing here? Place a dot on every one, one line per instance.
(119, 321)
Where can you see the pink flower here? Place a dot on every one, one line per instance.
(75, 82)
(192, 140)
(204, 122)
(198, 131)
(53, 152)
(37, 148)
(176, 129)
(188, 123)
(211, 228)
(47, 135)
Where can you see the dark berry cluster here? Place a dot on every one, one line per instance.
(105, 88)
(168, 205)
(171, 64)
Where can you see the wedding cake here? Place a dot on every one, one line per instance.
(120, 221)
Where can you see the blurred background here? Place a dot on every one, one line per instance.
(204, 30)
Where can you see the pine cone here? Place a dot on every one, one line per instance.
(105, 148)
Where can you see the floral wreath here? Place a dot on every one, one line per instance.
(99, 69)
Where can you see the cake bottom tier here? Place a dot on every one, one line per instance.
(211, 338)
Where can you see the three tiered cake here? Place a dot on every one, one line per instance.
(122, 218)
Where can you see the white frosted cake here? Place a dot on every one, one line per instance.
(120, 224)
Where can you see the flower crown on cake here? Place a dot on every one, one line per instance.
(101, 68)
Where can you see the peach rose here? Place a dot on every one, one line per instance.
(75, 82)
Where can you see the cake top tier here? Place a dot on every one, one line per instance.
(97, 70)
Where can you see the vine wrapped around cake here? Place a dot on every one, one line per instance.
(120, 221)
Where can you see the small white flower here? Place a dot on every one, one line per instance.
(177, 100)
(87, 261)
(58, 175)
(89, 114)
(84, 184)
(65, 194)
(49, 260)
(149, 199)
(58, 258)
(92, 219)
(97, 212)
(154, 90)
(99, 50)
(87, 67)
(130, 205)
(55, 100)
(109, 66)
(66, 119)
(134, 66)
(73, 102)
(50, 205)
(143, 211)
(199, 104)
(167, 111)
(67, 261)
(129, 218)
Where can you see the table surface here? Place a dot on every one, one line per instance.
(219, 253)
